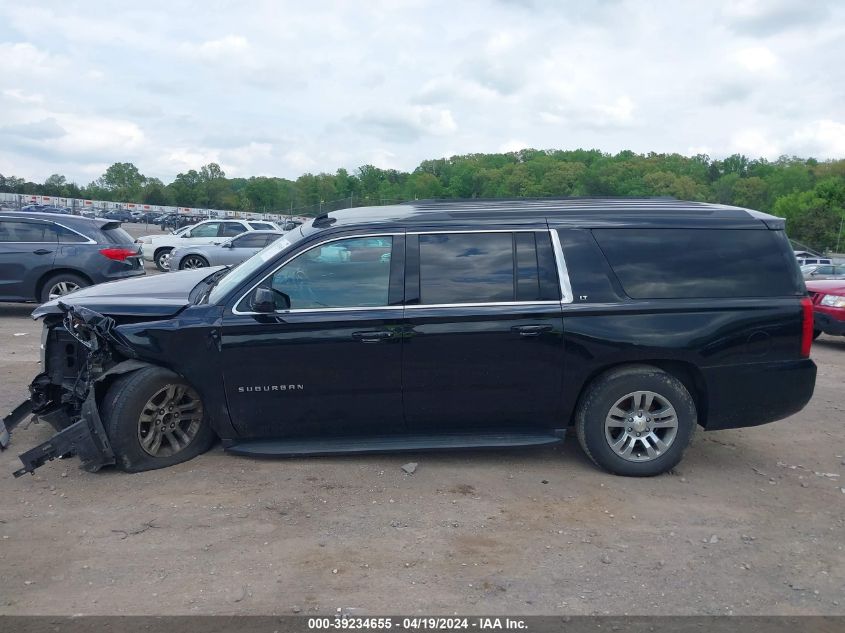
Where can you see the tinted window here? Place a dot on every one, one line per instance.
(117, 235)
(251, 241)
(344, 274)
(466, 268)
(12, 231)
(699, 263)
(231, 229)
(67, 236)
(206, 230)
(261, 226)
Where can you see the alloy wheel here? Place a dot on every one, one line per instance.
(641, 426)
(192, 261)
(61, 288)
(170, 420)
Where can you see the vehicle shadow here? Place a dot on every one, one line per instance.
(17, 309)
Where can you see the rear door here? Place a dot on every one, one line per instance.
(484, 342)
(27, 251)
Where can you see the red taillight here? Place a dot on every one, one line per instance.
(118, 254)
(806, 326)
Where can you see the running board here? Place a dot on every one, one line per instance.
(391, 443)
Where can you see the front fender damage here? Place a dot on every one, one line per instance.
(75, 409)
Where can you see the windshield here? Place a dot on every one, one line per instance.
(244, 271)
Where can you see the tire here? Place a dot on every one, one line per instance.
(123, 412)
(599, 422)
(816, 334)
(67, 282)
(162, 258)
(193, 261)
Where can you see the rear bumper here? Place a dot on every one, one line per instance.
(757, 393)
(829, 322)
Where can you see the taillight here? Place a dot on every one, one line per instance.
(806, 326)
(118, 254)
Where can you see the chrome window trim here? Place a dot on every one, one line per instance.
(515, 230)
(284, 263)
(562, 272)
(482, 304)
(45, 221)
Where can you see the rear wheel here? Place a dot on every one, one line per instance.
(162, 259)
(636, 421)
(193, 261)
(60, 285)
(154, 418)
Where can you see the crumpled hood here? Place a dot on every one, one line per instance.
(148, 296)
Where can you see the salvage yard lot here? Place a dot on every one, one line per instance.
(751, 522)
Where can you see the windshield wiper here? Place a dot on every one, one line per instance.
(210, 282)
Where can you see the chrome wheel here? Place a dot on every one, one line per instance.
(61, 288)
(641, 426)
(170, 420)
(163, 260)
(193, 261)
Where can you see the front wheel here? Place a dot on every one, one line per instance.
(162, 259)
(154, 419)
(636, 421)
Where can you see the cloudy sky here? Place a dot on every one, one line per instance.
(281, 88)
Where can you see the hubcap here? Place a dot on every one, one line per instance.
(170, 420)
(164, 260)
(193, 262)
(62, 288)
(641, 426)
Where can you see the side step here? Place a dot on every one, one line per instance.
(391, 443)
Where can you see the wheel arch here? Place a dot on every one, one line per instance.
(690, 375)
(39, 285)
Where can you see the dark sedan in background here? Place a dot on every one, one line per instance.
(229, 252)
(44, 256)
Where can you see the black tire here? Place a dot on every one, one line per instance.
(816, 334)
(68, 279)
(200, 262)
(160, 258)
(121, 411)
(601, 396)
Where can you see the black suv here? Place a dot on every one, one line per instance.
(441, 325)
(44, 256)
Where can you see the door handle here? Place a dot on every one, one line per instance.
(42, 251)
(531, 330)
(372, 337)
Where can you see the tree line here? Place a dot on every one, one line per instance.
(809, 193)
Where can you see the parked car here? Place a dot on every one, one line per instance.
(46, 208)
(119, 215)
(828, 299)
(806, 261)
(158, 248)
(43, 256)
(441, 325)
(229, 252)
(823, 271)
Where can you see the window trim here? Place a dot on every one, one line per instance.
(313, 246)
(48, 222)
(560, 263)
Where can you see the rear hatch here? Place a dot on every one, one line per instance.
(119, 246)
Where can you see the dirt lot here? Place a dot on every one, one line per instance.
(751, 523)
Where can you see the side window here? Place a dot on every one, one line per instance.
(824, 270)
(466, 268)
(231, 229)
(699, 263)
(261, 226)
(349, 273)
(250, 241)
(14, 231)
(66, 236)
(205, 230)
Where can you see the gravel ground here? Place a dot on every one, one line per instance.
(752, 522)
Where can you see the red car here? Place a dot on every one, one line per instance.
(828, 306)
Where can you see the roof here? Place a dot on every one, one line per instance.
(558, 211)
(60, 218)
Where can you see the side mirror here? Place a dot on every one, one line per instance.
(228, 244)
(264, 301)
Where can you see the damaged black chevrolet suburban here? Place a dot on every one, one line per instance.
(444, 324)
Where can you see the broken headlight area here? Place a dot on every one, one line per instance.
(81, 351)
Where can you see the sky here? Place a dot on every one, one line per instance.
(282, 88)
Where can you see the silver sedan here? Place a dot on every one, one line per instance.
(227, 252)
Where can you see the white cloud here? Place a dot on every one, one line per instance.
(823, 139)
(756, 58)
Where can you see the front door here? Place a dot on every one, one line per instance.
(485, 331)
(331, 363)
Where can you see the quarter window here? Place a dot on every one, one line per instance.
(348, 273)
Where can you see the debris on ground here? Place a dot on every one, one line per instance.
(410, 467)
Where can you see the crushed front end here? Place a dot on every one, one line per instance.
(80, 348)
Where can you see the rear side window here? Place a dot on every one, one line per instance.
(66, 236)
(699, 263)
(231, 229)
(486, 268)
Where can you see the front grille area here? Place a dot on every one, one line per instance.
(64, 356)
